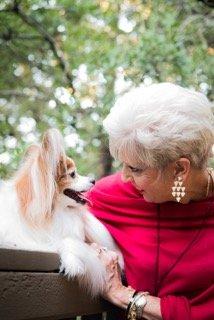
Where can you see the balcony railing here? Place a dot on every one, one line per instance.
(32, 288)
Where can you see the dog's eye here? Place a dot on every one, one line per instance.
(73, 174)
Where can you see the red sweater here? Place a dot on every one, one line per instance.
(168, 248)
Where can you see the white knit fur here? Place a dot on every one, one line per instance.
(36, 215)
(160, 123)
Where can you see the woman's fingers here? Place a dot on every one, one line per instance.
(104, 254)
(96, 247)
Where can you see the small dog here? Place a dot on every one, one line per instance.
(43, 209)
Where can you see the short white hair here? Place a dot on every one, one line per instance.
(158, 124)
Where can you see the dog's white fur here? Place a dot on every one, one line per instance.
(36, 215)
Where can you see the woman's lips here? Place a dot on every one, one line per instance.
(138, 189)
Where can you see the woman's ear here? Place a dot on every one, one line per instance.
(182, 168)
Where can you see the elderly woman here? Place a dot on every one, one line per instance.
(160, 208)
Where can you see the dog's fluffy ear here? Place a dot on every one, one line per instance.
(23, 180)
(36, 180)
(53, 148)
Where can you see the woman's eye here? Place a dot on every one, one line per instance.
(73, 174)
(136, 170)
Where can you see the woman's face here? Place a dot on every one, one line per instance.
(155, 186)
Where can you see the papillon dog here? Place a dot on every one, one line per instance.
(42, 208)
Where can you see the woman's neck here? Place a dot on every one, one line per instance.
(199, 185)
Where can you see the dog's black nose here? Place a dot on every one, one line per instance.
(92, 181)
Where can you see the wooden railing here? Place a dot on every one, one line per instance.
(32, 288)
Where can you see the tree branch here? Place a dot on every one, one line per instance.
(58, 53)
(10, 34)
(21, 94)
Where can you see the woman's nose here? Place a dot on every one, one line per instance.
(125, 175)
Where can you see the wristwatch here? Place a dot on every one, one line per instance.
(137, 305)
(140, 304)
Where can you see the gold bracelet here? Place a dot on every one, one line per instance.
(129, 305)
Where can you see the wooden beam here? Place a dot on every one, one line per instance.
(34, 295)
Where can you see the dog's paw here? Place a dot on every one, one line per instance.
(72, 267)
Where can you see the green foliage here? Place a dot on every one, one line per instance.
(100, 43)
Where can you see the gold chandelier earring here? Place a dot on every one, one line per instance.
(178, 190)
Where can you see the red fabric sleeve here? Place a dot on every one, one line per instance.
(180, 308)
(175, 308)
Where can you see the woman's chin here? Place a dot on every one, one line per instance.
(148, 198)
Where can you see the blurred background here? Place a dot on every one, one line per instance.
(63, 63)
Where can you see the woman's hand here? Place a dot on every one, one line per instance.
(115, 291)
